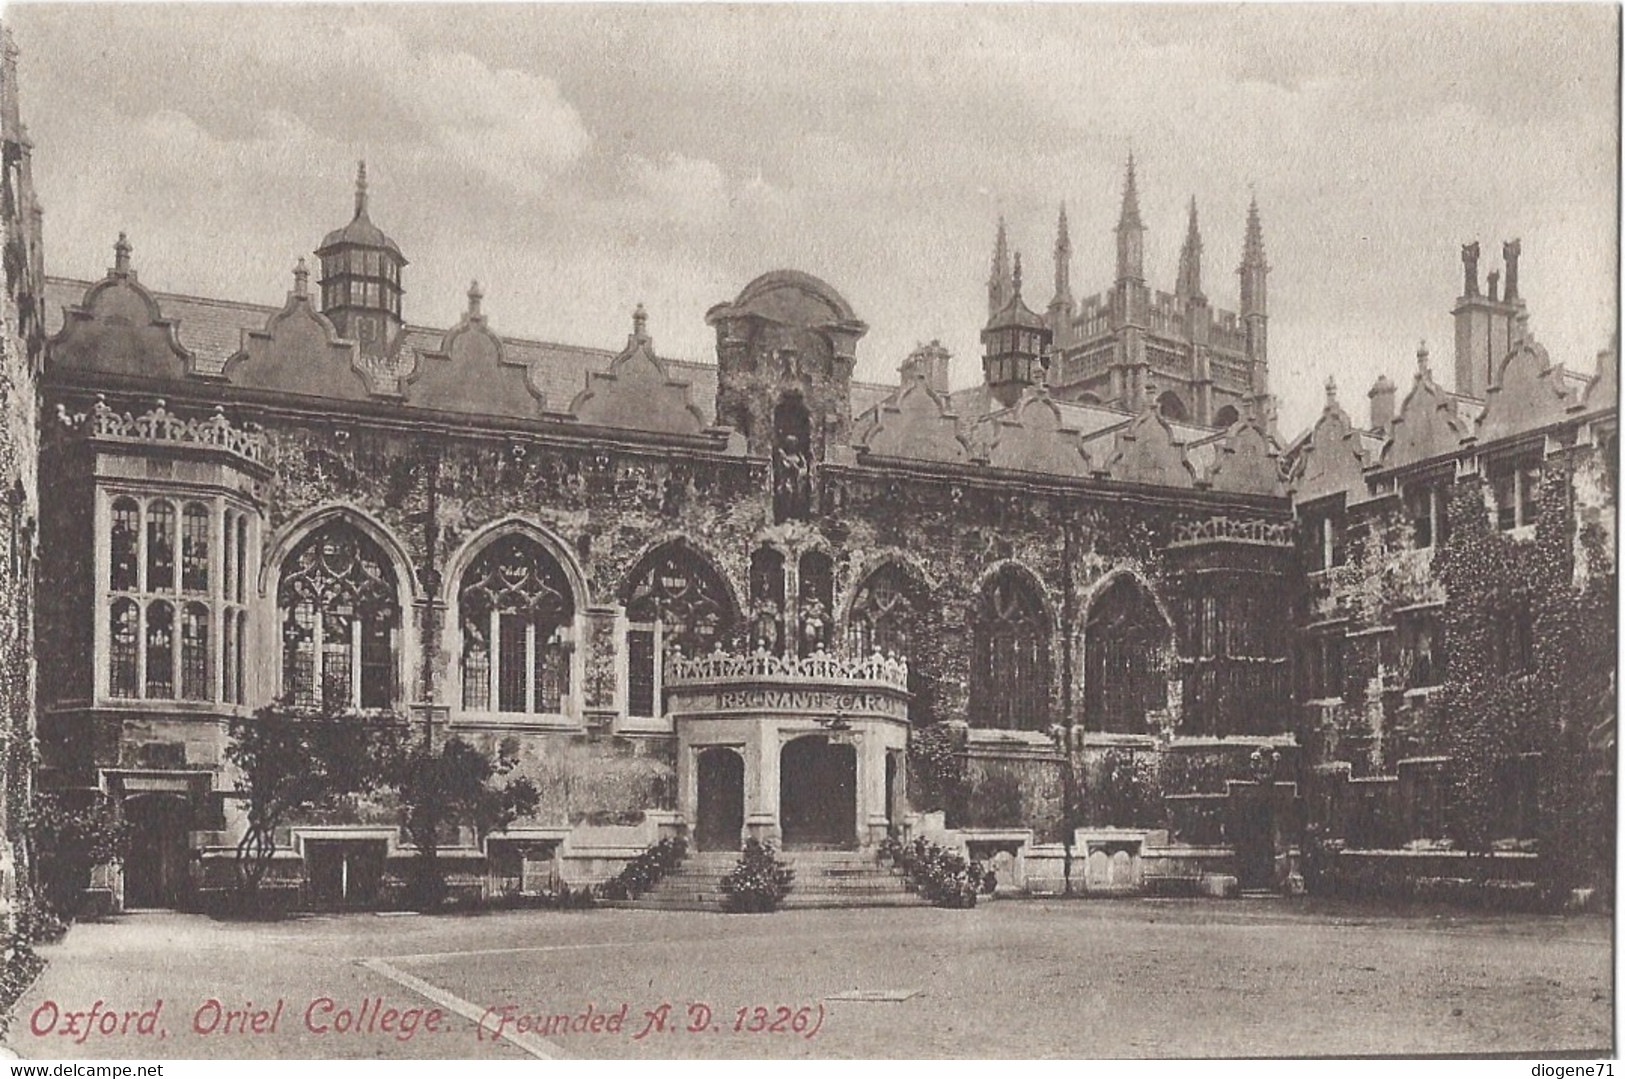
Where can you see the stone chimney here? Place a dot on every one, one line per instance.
(927, 362)
(1382, 403)
(1488, 326)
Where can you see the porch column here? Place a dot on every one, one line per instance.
(762, 783)
(872, 820)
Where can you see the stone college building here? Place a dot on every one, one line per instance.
(1093, 620)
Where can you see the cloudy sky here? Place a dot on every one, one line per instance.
(580, 159)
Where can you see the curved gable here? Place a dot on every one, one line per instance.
(299, 352)
(1331, 458)
(119, 329)
(1248, 462)
(1427, 424)
(1032, 437)
(914, 422)
(471, 372)
(637, 392)
(1603, 392)
(1528, 393)
(1147, 453)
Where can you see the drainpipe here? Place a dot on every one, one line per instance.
(1069, 792)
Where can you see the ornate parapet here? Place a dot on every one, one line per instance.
(821, 685)
(159, 426)
(1255, 531)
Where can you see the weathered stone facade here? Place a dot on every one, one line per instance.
(1092, 637)
(1457, 630)
(22, 349)
(1059, 597)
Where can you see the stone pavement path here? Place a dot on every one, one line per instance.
(1132, 978)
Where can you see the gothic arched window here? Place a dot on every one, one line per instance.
(341, 619)
(676, 602)
(1010, 675)
(1126, 642)
(195, 528)
(517, 612)
(884, 614)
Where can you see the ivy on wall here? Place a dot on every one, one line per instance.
(1492, 712)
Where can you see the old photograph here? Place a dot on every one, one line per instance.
(808, 531)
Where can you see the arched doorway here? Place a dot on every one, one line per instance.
(818, 787)
(155, 868)
(720, 815)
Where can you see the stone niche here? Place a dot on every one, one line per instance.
(1111, 860)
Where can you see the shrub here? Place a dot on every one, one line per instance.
(942, 876)
(18, 972)
(69, 840)
(759, 882)
(646, 870)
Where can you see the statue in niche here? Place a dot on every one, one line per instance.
(814, 627)
(792, 479)
(767, 628)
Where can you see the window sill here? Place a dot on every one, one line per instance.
(170, 704)
(517, 721)
(642, 724)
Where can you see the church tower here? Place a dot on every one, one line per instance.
(361, 278)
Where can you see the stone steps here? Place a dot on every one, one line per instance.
(823, 879)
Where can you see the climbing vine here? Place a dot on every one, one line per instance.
(1550, 701)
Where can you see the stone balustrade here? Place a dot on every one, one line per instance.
(159, 425)
(819, 667)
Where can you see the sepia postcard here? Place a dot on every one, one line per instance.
(808, 531)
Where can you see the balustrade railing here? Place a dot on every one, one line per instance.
(163, 426)
(818, 667)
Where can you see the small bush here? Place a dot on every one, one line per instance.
(20, 969)
(565, 898)
(944, 877)
(759, 882)
(646, 870)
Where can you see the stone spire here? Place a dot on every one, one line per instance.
(121, 255)
(1130, 231)
(475, 295)
(1189, 285)
(998, 282)
(1254, 271)
(640, 323)
(1063, 262)
(1254, 266)
(301, 278)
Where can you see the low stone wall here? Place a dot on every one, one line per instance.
(1508, 880)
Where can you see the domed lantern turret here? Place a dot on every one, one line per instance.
(1015, 347)
(361, 278)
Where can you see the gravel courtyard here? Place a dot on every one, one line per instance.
(1131, 978)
